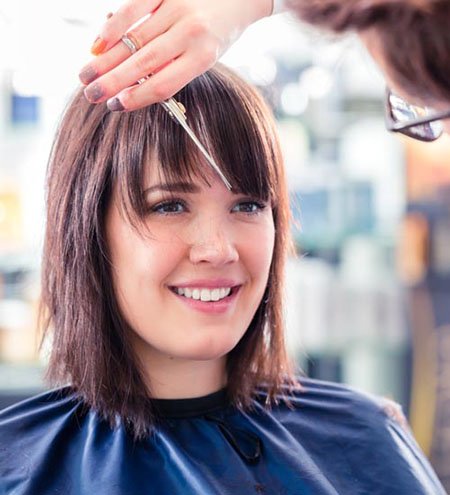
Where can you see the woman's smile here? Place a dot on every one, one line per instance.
(208, 296)
(190, 284)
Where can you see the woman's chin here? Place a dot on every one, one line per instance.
(202, 349)
(205, 352)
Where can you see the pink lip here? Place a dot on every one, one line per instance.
(211, 307)
(208, 283)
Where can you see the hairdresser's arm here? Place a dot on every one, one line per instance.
(179, 41)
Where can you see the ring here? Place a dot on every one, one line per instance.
(130, 41)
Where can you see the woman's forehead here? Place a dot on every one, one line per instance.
(198, 175)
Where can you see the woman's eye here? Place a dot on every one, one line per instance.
(249, 207)
(169, 207)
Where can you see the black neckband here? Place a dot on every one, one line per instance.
(198, 406)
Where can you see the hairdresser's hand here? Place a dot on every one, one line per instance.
(179, 41)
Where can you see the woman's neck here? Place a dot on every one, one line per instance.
(173, 378)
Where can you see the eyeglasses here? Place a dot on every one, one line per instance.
(418, 122)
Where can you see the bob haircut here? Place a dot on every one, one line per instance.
(413, 37)
(95, 151)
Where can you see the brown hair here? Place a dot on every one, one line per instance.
(413, 37)
(96, 150)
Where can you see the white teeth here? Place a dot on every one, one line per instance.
(224, 292)
(215, 295)
(205, 295)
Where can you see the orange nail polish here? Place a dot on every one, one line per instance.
(98, 46)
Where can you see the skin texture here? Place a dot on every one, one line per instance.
(179, 41)
(209, 233)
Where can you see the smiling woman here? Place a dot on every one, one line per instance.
(104, 228)
(204, 264)
(163, 291)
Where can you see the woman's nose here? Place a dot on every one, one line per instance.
(212, 243)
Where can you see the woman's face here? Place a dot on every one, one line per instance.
(190, 287)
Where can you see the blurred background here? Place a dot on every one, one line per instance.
(368, 294)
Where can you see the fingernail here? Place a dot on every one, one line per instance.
(98, 46)
(88, 74)
(115, 105)
(94, 92)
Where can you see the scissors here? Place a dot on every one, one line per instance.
(177, 112)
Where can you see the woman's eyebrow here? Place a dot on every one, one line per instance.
(187, 187)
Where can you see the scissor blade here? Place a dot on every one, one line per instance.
(206, 154)
(181, 119)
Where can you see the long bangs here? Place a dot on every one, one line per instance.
(230, 120)
(98, 154)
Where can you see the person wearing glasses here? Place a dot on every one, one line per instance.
(182, 38)
(409, 39)
(162, 277)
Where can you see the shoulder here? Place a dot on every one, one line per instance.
(348, 408)
(46, 407)
(349, 403)
(323, 397)
(25, 427)
(35, 436)
(341, 398)
(339, 411)
(351, 427)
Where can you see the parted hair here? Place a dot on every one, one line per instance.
(95, 151)
(412, 35)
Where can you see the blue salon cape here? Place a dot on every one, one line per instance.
(333, 440)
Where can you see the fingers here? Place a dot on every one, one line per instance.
(176, 32)
(117, 24)
(158, 87)
(103, 63)
(145, 61)
(150, 29)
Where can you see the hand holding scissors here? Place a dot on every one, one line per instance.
(177, 39)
